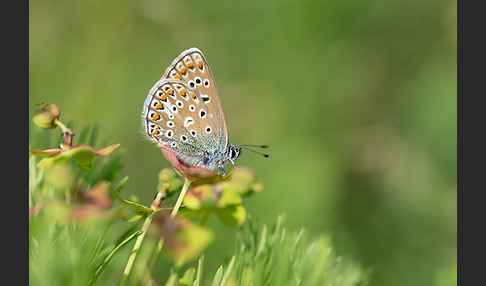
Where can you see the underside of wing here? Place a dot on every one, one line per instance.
(192, 68)
(176, 117)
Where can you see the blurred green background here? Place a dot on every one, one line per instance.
(356, 98)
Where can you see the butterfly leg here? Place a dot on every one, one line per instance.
(222, 170)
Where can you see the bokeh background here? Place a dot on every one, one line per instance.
(356, 98)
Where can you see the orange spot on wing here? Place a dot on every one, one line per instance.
(183, 70)
(170, 91)
(155, 117)
(190, 65)
(164, 97)
(156, 132)
(193, 95)
(183, 92)
(200, 65)
(159, 106)
(177, 76)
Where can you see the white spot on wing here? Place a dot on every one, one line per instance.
(188, 121)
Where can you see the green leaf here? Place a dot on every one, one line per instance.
(47, 152)
(107, 150)
(229, 197)
(121, 184)
(195, 239)
(183, 239)
(168, 176)
(83, 155)
(232, 215)
(133, 205)
(188, 277)
(135, 218)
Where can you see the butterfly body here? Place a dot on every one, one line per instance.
(182, 114)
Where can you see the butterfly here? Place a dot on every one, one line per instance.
(182, 114)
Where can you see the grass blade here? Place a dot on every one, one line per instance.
(199, 271)
(107, 259)
(228, 272)
(217, 277)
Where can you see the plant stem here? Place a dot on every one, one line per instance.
(135, 249)
(146, 224)
(187, 182)
(160, 244)
(138, 243)
(67, 134)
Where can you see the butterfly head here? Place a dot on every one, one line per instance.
(234, 152)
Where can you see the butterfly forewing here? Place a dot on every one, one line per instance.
(175, 118)
(192, 68)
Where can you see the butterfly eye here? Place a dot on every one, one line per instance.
(202, 113)
(193, 132)
(233, 153)
(170, 124)
(169, 134)
(184, 138)
(192, 108)
(159, 93)
(206, 83)
(208, 129)
(180, 104)
(198, 80)
(171, 116)
(174, 109)
(192, 84)
(173, 144)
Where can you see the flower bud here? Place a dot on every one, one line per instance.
(46, 115)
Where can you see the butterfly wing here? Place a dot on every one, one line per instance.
(175, 117)
(192, 68)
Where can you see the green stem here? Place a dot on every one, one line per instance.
(138, 243)
(160, 244)
(67, 134)
(145, 227)
(187, 182)
(136, 248)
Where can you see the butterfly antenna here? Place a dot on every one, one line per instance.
(253, 145)
(254, 151)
